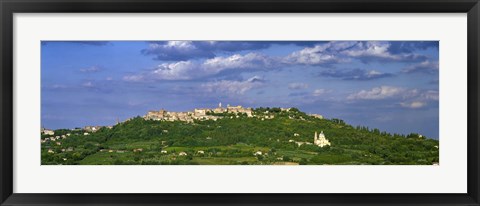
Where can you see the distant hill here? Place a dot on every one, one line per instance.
(270, 136)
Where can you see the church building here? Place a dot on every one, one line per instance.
(320, 140)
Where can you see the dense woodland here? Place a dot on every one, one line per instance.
(237, 139)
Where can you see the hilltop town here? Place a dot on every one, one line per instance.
(214, 114)
(211, 114)
(199, 114)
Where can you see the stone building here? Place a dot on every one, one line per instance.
(92, 128)
(320, 140)
(219, 109)
(155, 115)
(239, 109)
(46, 131)
(201, 112)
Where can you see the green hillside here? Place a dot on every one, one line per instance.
(238, 139)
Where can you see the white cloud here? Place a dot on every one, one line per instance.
(173, 46)
(408, 98)
(187, 70)
(319, 92)
(381, 92)
(248, 61)
(378, 50)
(373, 73)
(88, 84)
(176, 71)
(430, 95)
(186, 50)
(233, 87)
(413, 105)
(355, 74)
(344, 51)
(297, 86)
(321, 54)
(176, 50)
(177, 44)
(90, 69)
(312, 56)
(134, 78)
(58, 86)
(425, 67)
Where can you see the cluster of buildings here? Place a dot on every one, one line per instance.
(51, 133)
(70, 149)
(54, 138)
(197, 114)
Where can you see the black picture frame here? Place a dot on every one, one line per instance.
(10, 7)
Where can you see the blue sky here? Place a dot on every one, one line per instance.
(390, 85)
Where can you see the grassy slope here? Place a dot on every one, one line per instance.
(233, 141)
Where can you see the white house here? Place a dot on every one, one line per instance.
(48, 132)
(182, 154)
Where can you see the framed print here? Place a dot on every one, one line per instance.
(246, 103)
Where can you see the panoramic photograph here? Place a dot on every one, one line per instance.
(239, 103)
